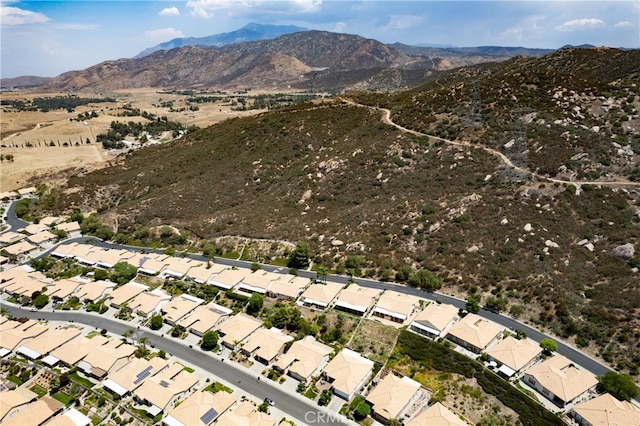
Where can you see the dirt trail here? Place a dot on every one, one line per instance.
(386, 118)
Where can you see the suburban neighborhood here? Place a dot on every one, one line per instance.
(59, 372)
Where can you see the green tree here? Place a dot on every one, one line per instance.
(619, 385)
(255, 266)
(403, 273)
(325, 397)
(473, 304)
(548, 345)
(123, 272)
(128, 333)
(321, 274)
(209, 340)
(362, 411)
(155, 322)
(255, 304)
(299, 258)
(425, 279)
(41, 301)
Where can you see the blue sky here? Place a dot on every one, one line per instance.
(47, 38)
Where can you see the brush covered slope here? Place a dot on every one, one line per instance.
(382, 201)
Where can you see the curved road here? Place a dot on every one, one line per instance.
(386, 118)
(298, 407)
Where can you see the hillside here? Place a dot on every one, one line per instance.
(375, 198)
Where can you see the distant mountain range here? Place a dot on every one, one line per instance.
(250, 32)
(275, 57)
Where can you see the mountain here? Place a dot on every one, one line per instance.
(493, 186)
(22, 82)
(299, 60)
(250, 32)
(481, 51)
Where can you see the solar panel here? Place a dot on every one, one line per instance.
(209, 416)
(142, 375)
(164, 384)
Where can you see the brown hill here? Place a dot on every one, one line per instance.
(547, 251)
(310, 59)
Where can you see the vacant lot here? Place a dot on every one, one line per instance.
(46, 145)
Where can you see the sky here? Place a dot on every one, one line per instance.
(46, 38)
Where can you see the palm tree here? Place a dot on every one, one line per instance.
(128, 333)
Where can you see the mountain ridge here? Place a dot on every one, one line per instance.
(250, 32)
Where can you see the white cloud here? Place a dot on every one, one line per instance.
(623, 24)
(163, 34)
(580, 24)
(77, 27)
(169, 11)
(16, 16)
(340, 27)
(207, 8)
(401, 22)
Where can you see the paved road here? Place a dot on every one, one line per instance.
(298, 407)
(12, 220)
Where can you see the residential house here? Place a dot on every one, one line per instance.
(319, 296)
(34, 228)
(60, 290)
(304, 359)
(605, 410)
(434, 320)
(12, 400)
(287, 289)
(42, 238)
(125, 293)
(105, 357)
(15, 334)
(148, 264)
(93, 291)
(148, 303)
(34, 413)
(71, 228)
(162, 390)
(133, 375)
(27, 192)
(204, 318)
(245, 413)
(439, 415)
(107, 258)
(347, 372)
(73, 351)
(51, 220)
(11, 237)
(46, 342)
(474, 333)
(176, 267)
(257, 282)
(72, 251)
(200, 409)
(513, 355)
(395, 308)
(356, 299)
(21, 251)
(174, 310)
(20, 282)
(560, 381)
(393, 396)
(229, 278)
(201, 274)
(236, 329)
(266, 344)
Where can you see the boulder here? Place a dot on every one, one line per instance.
(625, 251)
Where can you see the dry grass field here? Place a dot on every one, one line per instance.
(42, 162)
